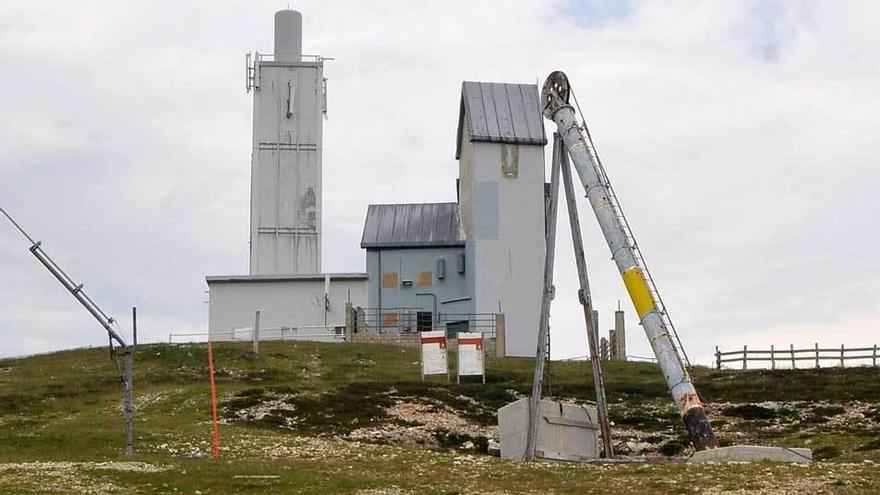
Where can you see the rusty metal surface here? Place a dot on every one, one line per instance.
(697, 424)
(412, 225)
(500, 113)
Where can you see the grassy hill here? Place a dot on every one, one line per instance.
(345, 418)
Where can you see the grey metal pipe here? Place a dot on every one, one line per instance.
(557, 109)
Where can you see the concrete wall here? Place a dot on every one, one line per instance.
(452, 292)
(282, 301)
(286, 169)
(502, 210)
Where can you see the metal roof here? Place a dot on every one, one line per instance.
(500, 113)
(215, 279)
(412, 225)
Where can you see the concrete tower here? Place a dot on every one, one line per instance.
(289, 103)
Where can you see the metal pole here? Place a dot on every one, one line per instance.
(127, 400)
(793, 363)
(745, 353)
(817, 354)
(586, 300)
(215, 447)
(544, 323)
(257, 333)
(134, 326)
(630, 263)
(841, 356)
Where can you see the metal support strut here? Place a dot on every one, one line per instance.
(586, 301)
(544, 322)
(542, 357)
(627, 257)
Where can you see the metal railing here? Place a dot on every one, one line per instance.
(405, 320)
(309, 333)
(815, 355)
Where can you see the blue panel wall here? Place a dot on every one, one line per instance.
(452, 292)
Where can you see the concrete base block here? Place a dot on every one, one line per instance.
(752, 453)
(567, 432)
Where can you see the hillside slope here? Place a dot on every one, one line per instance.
(344, 418)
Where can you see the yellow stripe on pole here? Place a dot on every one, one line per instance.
(638, 291)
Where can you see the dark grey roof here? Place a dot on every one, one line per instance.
(412, 225)
(216, 279)
(500, 113)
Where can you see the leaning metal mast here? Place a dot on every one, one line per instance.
(627, 256)
(107, 322)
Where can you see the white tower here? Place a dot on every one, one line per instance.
(289, 103)
(501, 195)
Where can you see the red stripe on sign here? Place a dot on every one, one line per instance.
(434, 340)
(477, 341)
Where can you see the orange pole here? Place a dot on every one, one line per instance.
(215, 452)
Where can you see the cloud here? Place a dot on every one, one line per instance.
(739, 136)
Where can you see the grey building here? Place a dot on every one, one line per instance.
(416, 267)
(458, 265)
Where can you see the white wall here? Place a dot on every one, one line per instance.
(282, 301)
(503, 218)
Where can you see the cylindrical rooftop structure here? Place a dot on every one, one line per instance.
(288, 36)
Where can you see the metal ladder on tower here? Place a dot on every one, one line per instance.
(548, 385)
(634, 246)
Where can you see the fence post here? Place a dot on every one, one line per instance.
(772, 357)
(717, 358)
(361, 326)
(349, 321)
(257, 333)
(817, 355)
(841, 355)
(875, 355)
(745, 353)
(793, 365)
(500, 336)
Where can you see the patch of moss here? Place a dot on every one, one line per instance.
(449, 440)
(872, 445)
(756, 412)
(826, 452)
(828, 410)
(671, 448)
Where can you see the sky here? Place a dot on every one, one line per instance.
(739, 136)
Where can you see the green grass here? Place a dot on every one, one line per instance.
(64, 407)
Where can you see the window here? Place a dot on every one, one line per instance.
(425, 321)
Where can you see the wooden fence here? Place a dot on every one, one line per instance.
(791, 356)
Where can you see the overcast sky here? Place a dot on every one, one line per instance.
(740, 136)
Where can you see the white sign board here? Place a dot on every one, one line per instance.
(434, 353)
(471, 360)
